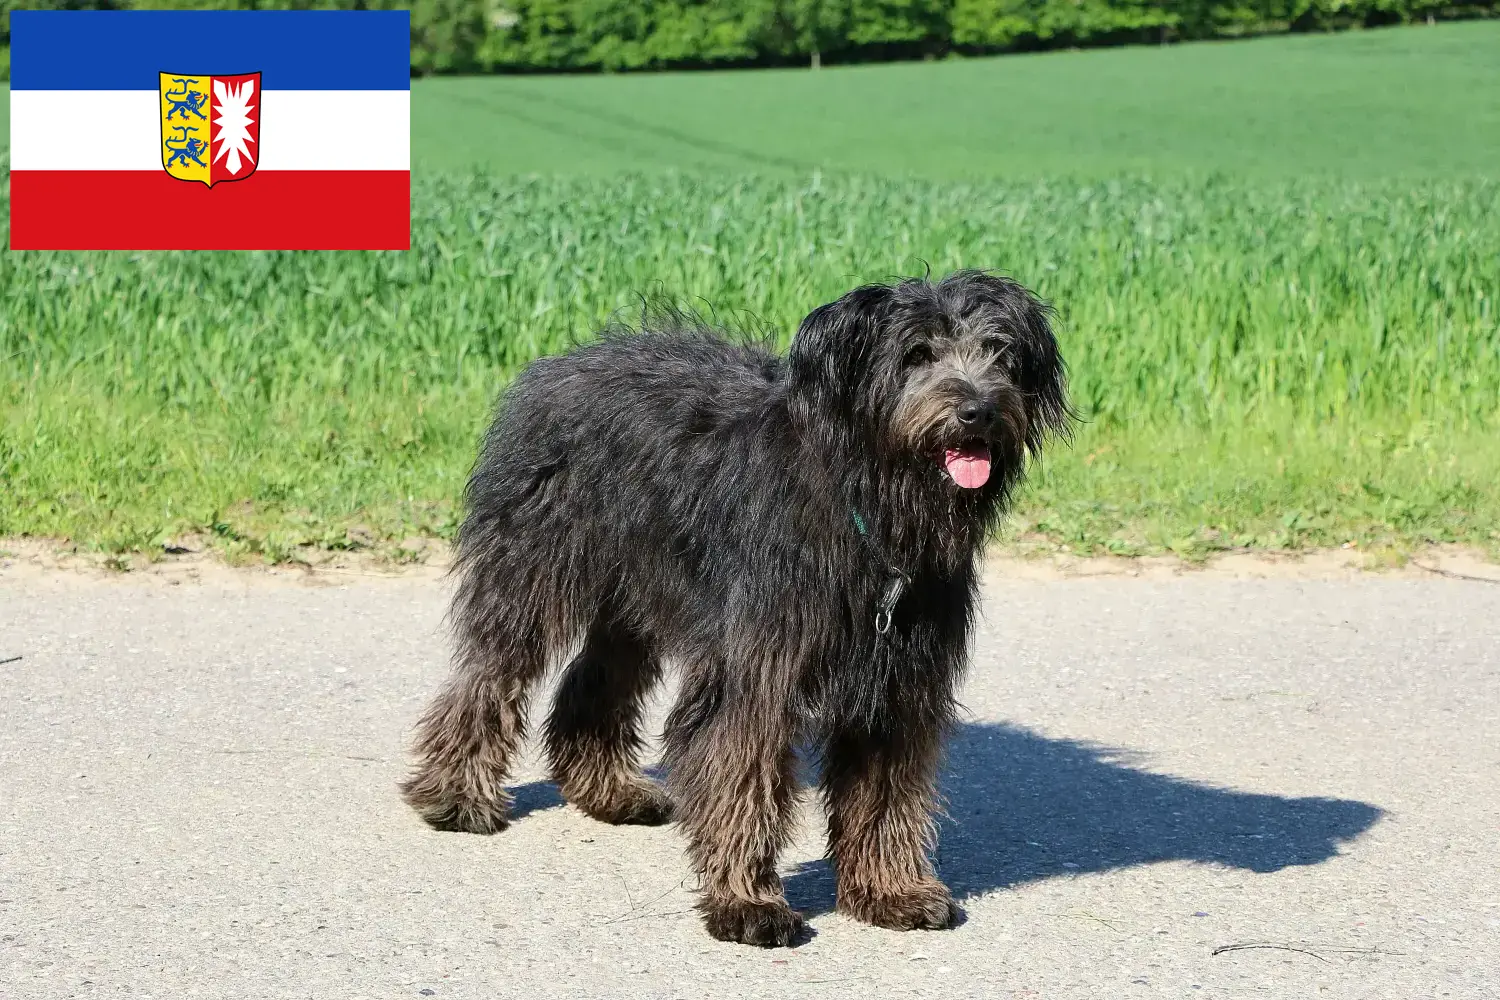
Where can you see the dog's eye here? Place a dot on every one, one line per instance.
(918, 354)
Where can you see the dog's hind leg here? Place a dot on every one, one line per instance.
(467, 736)
(593, 733)
(730, 767)
(880, 793)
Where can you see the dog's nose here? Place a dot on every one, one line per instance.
(976, 415)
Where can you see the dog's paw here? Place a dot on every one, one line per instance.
(459, 815)
(643, 803)
(467, 818)
(926, 907)
(767, 924)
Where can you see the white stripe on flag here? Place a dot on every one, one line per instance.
(121, 130)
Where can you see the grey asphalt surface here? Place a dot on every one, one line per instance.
(197, 799)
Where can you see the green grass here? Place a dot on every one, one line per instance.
(1368, 104)
(1265, 359)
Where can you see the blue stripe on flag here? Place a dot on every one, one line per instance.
(293, 49)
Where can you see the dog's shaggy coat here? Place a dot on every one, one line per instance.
(798, 534)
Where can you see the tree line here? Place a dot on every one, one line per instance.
(499, 36)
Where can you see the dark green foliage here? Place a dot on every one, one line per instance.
(446, 35)
(984, 25)
(464, 36)
(613, 35)
(653, 34)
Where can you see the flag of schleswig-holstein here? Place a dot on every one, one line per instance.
(210, 130)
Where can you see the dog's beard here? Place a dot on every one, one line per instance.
(924, 423)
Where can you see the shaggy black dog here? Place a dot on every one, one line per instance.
(798, 534)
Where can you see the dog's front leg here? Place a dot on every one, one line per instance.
(731, 773)
(880, 791)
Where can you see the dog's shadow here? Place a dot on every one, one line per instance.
(1022, 807)
(534, 797)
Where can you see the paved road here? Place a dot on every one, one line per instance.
(196, 799)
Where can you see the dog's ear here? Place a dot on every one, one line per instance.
(1041, 373)
(836, 342)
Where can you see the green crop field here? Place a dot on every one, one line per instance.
(1374, 104)
(1276, 266)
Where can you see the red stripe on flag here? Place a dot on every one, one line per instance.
(270, 210)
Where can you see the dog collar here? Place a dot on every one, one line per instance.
(896, 580)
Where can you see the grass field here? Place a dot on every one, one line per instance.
(1371, 105)
(1277, 343)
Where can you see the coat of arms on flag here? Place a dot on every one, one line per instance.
(126, 124)
(210, 126)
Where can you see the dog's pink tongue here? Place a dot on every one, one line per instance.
(969, 467)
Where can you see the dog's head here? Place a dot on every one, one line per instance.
(962, 374)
